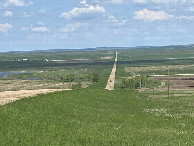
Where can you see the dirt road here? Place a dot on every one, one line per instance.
(111, 79)
(10, 96)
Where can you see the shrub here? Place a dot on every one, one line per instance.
(135, 82)
(77, 86)
(95, 77)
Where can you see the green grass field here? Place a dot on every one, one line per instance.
(97, 117)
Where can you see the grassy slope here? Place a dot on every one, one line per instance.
(94, 117)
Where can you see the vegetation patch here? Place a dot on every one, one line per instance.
(96, 117)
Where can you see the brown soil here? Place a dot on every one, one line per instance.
(178, 83)
(10, 96)
(17, 85)
(157, 68)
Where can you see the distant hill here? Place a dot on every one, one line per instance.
(110, 48)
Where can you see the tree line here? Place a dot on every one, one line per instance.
(136, 82)
(93, 77)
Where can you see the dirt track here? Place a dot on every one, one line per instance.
(111, 79)
(10, 96)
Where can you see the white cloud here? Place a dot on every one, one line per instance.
(35, 29)
(40, 23)
(25, 14)
(40, 12)
(67, 29)
(72, 27)
(59, 36)
(8, 14)
(191, 9)
(109, 1)
(164, 1)
(186, 17)
(5, 27)
(15, 3)
(84, 2)
(25, 28)
(89, 12)
(182, 30)
(156, 38)
(147, 15)
(117, 1)
(140, 1)
(111, 18)
(40, 29)
(156, 1)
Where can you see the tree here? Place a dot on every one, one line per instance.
(135, 82)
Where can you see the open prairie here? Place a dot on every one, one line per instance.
(142, 114)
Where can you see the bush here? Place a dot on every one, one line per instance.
(95, 77)
(77, 86)
(134, 83)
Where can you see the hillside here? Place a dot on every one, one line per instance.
(97, 117)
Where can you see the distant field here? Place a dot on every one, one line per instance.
(149, 61)
(60, 55)
(157, 53)
(139, 61)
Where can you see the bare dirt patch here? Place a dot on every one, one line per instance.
(106, 57)
(12, 90)
(17, 85)
(10, 96)
(177, 82)
(157, 68)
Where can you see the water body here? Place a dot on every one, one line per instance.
(2, 74)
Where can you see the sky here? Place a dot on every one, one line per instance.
(74, 24)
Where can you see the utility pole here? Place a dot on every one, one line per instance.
(145, 84)
(63, 82)
(168, 85)
(140, 82)
(69, 82)
(153, 84)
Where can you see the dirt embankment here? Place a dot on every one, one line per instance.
(11, 90)
(111, 79)
(10, 96)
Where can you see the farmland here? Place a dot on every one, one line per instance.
(91, 115)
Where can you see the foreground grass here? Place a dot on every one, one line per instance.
(96, 117)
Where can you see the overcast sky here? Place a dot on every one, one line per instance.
(65, 24)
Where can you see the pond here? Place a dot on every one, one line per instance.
(2, 74)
